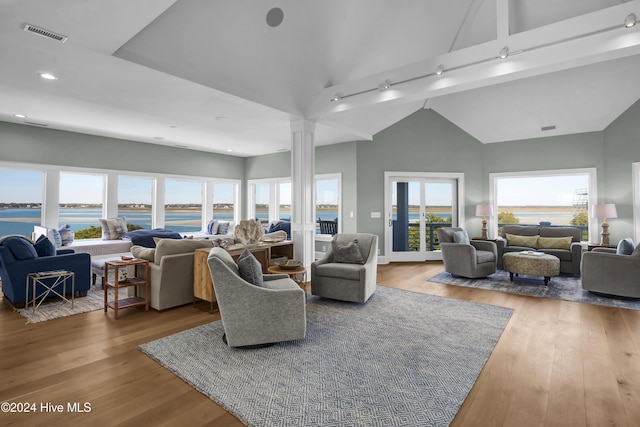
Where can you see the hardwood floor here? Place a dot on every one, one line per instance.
(557, 364)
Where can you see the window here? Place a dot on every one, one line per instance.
(284, 201)
(551, 198)
(327, 203)
(135, 195)
(183, 205)
(224, 201)
(20, 202)
(81, 198)
(261, 202)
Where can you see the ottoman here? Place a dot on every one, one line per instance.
(97, 265)
(531, 263)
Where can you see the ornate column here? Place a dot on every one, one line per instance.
(303, 224)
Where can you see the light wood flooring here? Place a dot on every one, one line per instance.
(557, 364)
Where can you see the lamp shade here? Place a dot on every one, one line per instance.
(604, 210)
(484, 210)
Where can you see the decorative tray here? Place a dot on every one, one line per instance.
(289, 264)
(268, 239)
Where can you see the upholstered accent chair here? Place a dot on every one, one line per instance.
(612, 272)
(254, 315)
(348, 270)
(464, 257)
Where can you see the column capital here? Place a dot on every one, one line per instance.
(299, 124)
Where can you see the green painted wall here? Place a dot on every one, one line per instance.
(422, 142)
(19, 143)
(621, 150)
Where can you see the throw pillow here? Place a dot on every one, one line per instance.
(347, 253)
(212, 227)
(250, 268)
(66, 235)
(114, 228)
(525, 241)
(223, 227)
(461, 236)
(44, 247)
(625, 247)
(21, 248)
(54, 235)
(140, 252)
(636, 251)
(554, 242)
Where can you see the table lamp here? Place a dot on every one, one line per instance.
(484, 211)
(604, 211)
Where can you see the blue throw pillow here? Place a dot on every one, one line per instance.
(625, 247)
(20, 248)
(66, 234)
(44, 247)
(212, 227)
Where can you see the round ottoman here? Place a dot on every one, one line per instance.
(531, 263)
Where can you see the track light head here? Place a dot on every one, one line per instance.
(384, 85)
(504, 52)
(337, 97)
(439, 70)
(630, 20)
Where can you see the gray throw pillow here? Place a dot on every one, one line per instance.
(140, 252)
(636, 251)
(461, 236)
(625, 247)
(250, 268)
(348, 253)
(223, 227)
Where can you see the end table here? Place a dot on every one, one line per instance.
(135, 281)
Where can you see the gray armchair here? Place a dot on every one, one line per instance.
(471, 259)
(334, 276)
(254, 315)
(612, 272)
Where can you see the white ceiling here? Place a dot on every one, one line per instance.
(211, 75)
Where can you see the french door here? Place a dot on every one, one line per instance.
(416, 205)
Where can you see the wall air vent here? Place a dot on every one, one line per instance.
(42, 125)
(544, 128)
(45, 33)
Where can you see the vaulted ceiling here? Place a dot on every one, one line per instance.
(221, 76)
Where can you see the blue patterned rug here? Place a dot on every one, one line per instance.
(401, 359)
(567, 288)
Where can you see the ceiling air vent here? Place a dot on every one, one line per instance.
(543, 128)
(45, 33)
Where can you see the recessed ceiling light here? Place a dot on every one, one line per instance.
(20, 116)
(48, 76)
(173, 126)
(220, 118)
(229, 150)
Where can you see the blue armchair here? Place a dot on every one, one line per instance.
(19, 257)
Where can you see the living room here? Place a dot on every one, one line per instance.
(555, 360)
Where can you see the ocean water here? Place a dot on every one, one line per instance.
(21, 221)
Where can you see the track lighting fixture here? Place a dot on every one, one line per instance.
(384, 85)
(439, 70)
(504, 52)
(336, 97)
(630, 20)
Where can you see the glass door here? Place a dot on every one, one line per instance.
(416, 207)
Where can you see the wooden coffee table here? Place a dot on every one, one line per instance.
(534, 264)
(293, 273)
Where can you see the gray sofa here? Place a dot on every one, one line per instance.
(569, 257)
(612, 272)
(254, 315)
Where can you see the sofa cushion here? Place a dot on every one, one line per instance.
(20, 248)
(347, 252)
(113, 228)
(44, 247)
(525, 241)
(339, 270)
(140, 252)
(250, 268)
(484, 256)
(175, 246)
(625, 247)
(555, 242)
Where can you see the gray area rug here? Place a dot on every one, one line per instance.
(401, 359)
(567, 288)
(54, 307)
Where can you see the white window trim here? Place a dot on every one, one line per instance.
(51, 190)
(593, 191)
(328, 176)
(635, 168)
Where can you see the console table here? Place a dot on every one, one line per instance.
(264, 252)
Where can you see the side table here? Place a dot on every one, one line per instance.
(39, 278)
(293, 273)
(125, 282)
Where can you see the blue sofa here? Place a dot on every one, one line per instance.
(19, 257)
